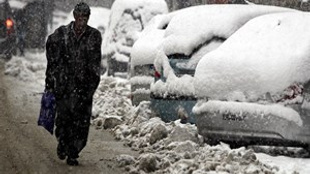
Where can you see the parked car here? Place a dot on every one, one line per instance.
(127, 19)
(142, 57)
(191, 34)
(143, 54)
(7, 30)
(256, 86)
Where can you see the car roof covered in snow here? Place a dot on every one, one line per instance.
(196, 25)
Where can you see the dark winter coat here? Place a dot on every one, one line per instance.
(73, 64)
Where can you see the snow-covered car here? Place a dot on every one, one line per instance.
(256, 85)
(7, 30)
(143, 53)
(191, 34)
(127, 19)
(142, 57)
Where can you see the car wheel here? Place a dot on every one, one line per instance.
(235, 145)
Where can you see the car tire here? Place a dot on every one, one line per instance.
(235, 145)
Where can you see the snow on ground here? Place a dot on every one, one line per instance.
(164, 147)
(287, 164)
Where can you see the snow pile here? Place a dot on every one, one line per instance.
(288, 165)
(142, 80)
(111, 102)
(25, 68)
(177, 148)
(271, 63)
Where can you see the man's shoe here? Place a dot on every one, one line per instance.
(72, 161)
(61, 152)
(61, 155)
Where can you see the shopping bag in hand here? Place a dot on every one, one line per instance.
(47, 111)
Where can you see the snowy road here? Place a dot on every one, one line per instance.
(28, 148)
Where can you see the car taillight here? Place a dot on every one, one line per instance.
(157, 75)
(9, 23)
(291, 92)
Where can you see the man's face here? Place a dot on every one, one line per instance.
(81, 21)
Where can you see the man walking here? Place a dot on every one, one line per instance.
(73, 73)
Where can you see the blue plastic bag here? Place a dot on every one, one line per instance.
(47, 111)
